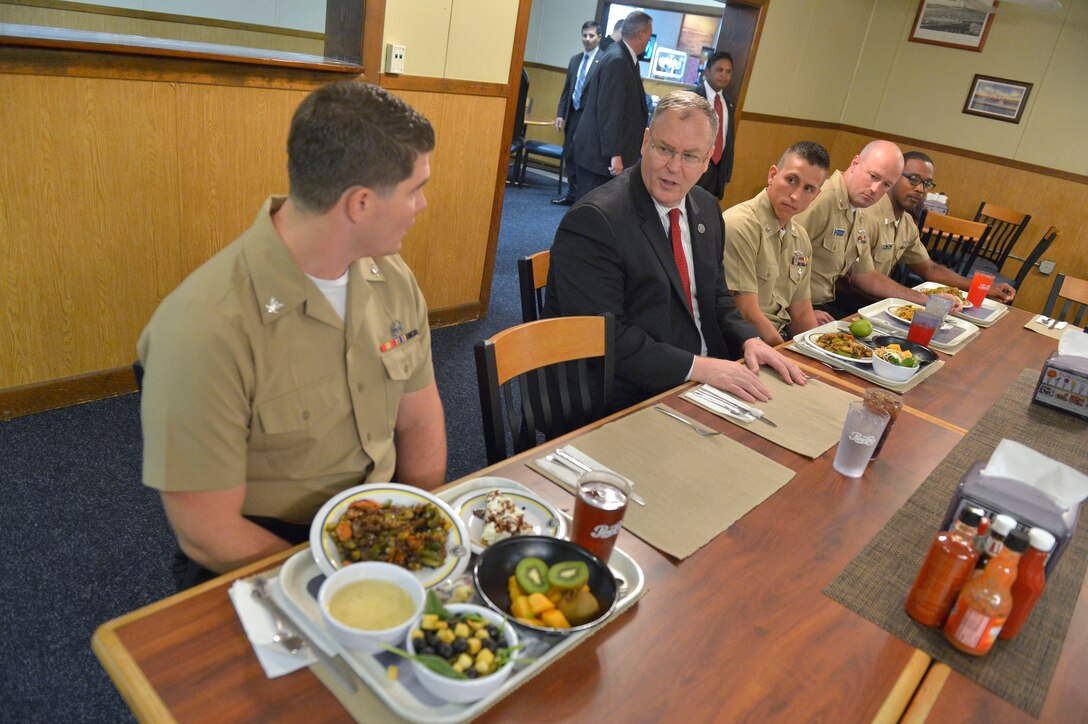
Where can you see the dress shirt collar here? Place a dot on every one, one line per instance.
(634, 58)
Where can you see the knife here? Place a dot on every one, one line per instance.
(337, 667)
(567, 460)
(717, 397)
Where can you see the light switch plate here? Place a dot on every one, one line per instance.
(394, 58)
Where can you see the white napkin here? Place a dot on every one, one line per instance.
(567, 475)
(260, 626)
(717, 409)
(1064, 484)
(1073, 343)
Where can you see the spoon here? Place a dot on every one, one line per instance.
(288, 640)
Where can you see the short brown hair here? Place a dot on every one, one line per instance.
(348, 134)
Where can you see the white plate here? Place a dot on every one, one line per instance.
(539, 513)
(810, 338)
(327, 556)
(896, 318)
(933, 285)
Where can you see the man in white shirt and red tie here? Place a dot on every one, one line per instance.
(716, 78)
(647, 247)
(570, 102)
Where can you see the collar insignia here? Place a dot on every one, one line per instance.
(274, 305)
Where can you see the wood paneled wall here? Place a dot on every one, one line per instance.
(112, 190)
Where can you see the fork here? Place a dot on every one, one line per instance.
(692, 425)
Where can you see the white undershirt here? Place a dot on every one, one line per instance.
(336, 291)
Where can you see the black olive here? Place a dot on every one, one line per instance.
(489, 644)
(471, 672)
(493, 631)
(426, 650)
(444, 650)
(460, 645)
(430, 637)
(500, 641)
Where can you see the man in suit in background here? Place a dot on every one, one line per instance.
(716, 78)
(613, 37)
(570, 102)
(648, 248)
(610, 131)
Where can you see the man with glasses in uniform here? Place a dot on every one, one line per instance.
(898, 240)
(647, 247)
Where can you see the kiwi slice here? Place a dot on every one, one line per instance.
(532, 575)
(568, 575)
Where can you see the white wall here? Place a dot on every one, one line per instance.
(555, 30)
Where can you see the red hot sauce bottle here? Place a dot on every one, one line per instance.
(1030, 581)
(948, 564)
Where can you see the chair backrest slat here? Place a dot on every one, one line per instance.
(532, 280)
(1073, 294)
(1040, 248)
(1006, 226)
(952, 241)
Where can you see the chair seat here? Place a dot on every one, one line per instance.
(540, 148)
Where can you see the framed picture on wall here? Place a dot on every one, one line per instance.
(952, 23)
(997, 98)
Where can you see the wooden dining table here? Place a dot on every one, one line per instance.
(740, 630)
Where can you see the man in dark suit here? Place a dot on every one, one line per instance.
(716, 78)
(648, 248)
(613, 37)
(610, 130)
(571, 104)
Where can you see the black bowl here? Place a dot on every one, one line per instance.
(499, 561)
(923, 354)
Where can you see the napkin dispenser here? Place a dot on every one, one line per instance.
(1031, 507)
(1063, 385)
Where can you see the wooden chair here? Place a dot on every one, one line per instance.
(1033, 258)
(952, 241)
(532, 370)
(532, 278)
(517, 141)
(1073, 294)
(1006, 226)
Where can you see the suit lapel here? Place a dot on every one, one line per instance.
(659, 240)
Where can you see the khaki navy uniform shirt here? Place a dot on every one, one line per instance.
(840, 238)
(761, 261)
(252, 377)
(894, 242)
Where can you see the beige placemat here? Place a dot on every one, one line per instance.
(809, 417)
(364, 705)
(1036, 326)
(695, 487)
(877, 581)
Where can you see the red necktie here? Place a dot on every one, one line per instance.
(717, 155)
(678, 253)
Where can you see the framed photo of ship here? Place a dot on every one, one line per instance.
(997, 98)
(951, 23)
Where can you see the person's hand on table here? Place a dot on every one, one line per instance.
(729, 376)
(757, 352)
(559, 123)
(1002, 292)
(822, 317)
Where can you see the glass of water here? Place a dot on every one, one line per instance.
(863, 428)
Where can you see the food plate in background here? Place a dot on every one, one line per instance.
(923, 354)
(327, 556)
(928, 286)
(890, 312)
(810, 338)
(539, 513)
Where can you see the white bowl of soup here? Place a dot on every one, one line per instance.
(369, 604)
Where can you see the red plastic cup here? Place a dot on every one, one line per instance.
(598, 511)
(980, 287)
(922, 327)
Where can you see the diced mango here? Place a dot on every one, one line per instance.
(513, 587)
(520, 607)
(530, 621)
(555, 619)
(461, 631)
(481, 634)
(474, 646)
(554, 594)
(906, 354)
(539, 603)
(429, 622)
(446, 635)
(485, 655)
(416, 634)
(464, 660)
(391, 673)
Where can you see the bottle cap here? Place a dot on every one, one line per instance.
(971, 516)
(1017, 542)
(1041, 539)
(1002, 523)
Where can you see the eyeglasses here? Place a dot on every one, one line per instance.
(666, 154)
(916, 180)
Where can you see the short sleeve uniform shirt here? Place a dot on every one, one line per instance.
(895, 241)
(252, 377)
(840, 238)
(761, 261)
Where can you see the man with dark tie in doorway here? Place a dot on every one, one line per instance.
(609, 133)
(570, 102)
(648, 247)
(716, 78)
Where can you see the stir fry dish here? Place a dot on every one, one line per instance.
(905, 312)
(843, 344)
(412, 536)
(947, 290)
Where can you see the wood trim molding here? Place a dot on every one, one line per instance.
(930, 145)
(427, 84)
(373, 37)
(449, 316)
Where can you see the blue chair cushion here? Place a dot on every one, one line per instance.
(544, 149)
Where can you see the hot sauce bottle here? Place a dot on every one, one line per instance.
(995, 538)
(950, 560)
(985, 602)
(1030, 580)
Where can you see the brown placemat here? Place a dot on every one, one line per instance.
(877, 581)
(364, 705)
(695, 487)
(1036, 326)
(809, 417)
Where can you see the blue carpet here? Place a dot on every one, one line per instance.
(84, 541)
